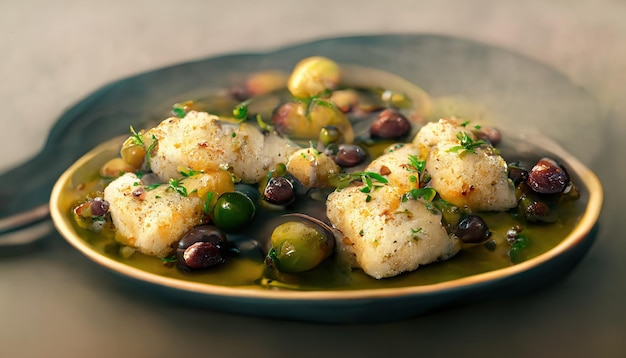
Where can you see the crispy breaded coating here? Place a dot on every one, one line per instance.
(396, 166)
(474, 178)
(150, 221)
(387, 235)
(200, 141)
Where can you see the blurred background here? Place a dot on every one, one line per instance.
(55, 53)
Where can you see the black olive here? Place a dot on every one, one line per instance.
(201, 247)
(472, 229)
(201, 255)
(99, 207)
(547, 177)
(390, 124)
(279, 191)
(349, 155)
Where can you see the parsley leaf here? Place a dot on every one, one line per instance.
(427, 194)
(177, 187)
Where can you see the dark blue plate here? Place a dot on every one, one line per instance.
(517, 93)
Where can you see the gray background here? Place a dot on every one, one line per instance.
(54, 53)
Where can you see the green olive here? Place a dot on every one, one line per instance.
(133, 153)
(313, 76)
(299, 246)
(233, 210)
(329, 135)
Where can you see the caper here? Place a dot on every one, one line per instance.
(299, 246)
(313, 76)
(390, 124)
(201, 247)
(279, 191)
(547, 177)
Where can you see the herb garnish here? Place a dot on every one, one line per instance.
(151, 148)
(467, 144)
(188, 172)
(427, 194)
(415, 233)
(341, 181)
(136, 137)
(177, 187)
(416, 165)
(241, 110)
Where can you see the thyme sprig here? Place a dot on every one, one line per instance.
(136, 137)
(467, 144)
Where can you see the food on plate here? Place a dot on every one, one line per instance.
(465, 171)
(333, 182)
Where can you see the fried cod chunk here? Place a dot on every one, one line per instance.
(150, 221)
(473, 177)
(386, 235)
(200, 141)
(396, 165)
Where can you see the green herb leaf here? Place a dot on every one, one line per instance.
(177, 187)
(467, 144)
(152, 186)
(169, 259)
(371, 180)
(241, 110)
(427, 194)
(415, 233)
(136, 137)
(188, 172)
(151, 148)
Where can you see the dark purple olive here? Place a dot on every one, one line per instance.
(472, 230)
(201, 247)
(390, 124)
(99, 207)
(202, 255)
(489, 134)
(547, 177)
(348, 155)
(279, 191)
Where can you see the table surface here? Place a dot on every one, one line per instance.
(55, 303)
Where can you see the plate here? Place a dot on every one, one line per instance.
(513, 92)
